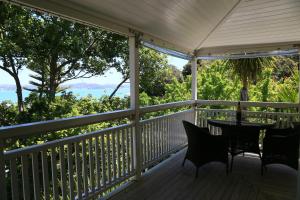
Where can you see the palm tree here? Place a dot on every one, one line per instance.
(248, 70)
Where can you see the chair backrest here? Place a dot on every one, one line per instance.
(279, 132)
(196, 136)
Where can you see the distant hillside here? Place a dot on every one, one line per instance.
(69, 86)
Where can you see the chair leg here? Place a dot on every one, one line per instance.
(231, 163)
(196, 172)
(183, 162)
(227, 167)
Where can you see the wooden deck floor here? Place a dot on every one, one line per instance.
(171, 181)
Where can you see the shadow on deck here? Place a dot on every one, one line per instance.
(170, 180)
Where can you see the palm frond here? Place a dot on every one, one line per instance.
(249, 68)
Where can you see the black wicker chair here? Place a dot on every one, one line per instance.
(242, 140)
(203, 147)
(281, 146)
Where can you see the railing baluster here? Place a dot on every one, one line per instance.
(91, 165)
(97, 159)
(78, 171)
(119, 153)
(143, 144)
(128, 150)
(123, 152)
(159, 139)
(54, 174)
(103, 161)
(132, 135)
(35, 173)
(25, 177)
(151, 124)
(148, 126)
(46, 184)
(163, 135)
(168, 134)
(156, 148)
(14, 179)
(63, 172)
(84, 170)
(113, 134)
(108, 158)
(70, 170)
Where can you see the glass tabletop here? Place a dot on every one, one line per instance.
(248, 122)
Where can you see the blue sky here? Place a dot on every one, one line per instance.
(110, 77)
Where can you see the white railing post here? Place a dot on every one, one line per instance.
(2, 172)
(194, 86)
(134, 100)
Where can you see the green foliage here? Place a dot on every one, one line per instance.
(287, 91)
(153, 72)
(8, 113)
(62, 50)
(215, 82)
(283, 67)
(249, 69)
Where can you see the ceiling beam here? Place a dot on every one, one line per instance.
(242, 49)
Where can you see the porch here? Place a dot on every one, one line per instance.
(169, 180)
(99, 163)
(95, 164)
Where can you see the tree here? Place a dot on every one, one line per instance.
(13, 43)
(288, 90)
(61, 51)
(284, 66)
(215, 82)
(187, 69)
(248, 70)
(153, 72)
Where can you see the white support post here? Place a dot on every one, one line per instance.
(194, 85)
(134, 101)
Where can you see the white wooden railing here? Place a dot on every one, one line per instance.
(90, 165)
(163, 135)
(281, 119)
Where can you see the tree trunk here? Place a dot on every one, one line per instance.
(117, 88)
(19, 94)
(53, 78)
(244, 91)
(10, 64)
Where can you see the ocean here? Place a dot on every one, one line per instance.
(9, 94)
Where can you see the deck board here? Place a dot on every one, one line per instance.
(171, 181)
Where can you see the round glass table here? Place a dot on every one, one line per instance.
(242, 136)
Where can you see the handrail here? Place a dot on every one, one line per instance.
(60, 124)
(248, 111)
(249, 103)
(66, 140)
(148, 109)
(164, 116)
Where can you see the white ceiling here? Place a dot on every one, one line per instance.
(208, 26)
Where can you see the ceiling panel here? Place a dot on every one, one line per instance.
(187, 25)
(258, 22)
